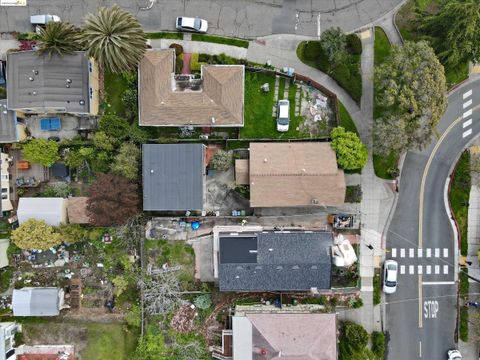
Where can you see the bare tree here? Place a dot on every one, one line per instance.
(162, 293)
(130, 234)
(192, 350)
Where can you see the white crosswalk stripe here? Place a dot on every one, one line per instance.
(402, 269)
(445, 252)
(429, 269)
(419, 269)
(429, 252)
(467, 103)
(467, 94)
(394, 252)
(420, 253)
(467, 113)
(411, 253)
(437, 269)
(437, 252)
(467, 123)
(402, 253)
(411, 270)
(445, 269)
(466, 133)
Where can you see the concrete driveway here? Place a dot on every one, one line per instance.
(239, 18)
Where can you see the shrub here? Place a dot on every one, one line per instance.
(3, 93)
(194, 64)
(351, 152)
(353, 194)
(222, 160)
(114, 126)
(134, 317)
(35, 234)
(312, 50)
(178, 49)
(377, 288)
(354, 44)
(378, 344)
(41, 151)
(203, 302)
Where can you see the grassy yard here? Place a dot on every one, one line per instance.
(220, 40)
(459, 195)
(347, 74)
(405, 20)
(384, 165)
(346, 120)
(115, 85)
(93, 341)
(165, 35)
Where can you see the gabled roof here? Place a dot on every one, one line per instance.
(274, 261)
(40, 81)
(161, 104)
(173, 177)
(295, 174)
(51, 210)
(36, 301)
(284, 337)
(8, 121)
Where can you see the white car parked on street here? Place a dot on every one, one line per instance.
(191, 24)
(454, 355)
(390, 275)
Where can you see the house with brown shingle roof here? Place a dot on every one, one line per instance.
(215, 98)
(295, 174)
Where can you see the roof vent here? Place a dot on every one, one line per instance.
(213, 120)
(279, 267)
(69, 81)
(270, 249)
(31, 78)
(295, 267)
(265, 160)
(34, 92)
(152, 171)
(67, 86)
(82, 102)
(35, 72)
(315, 201)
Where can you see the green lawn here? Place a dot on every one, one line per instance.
(347, 74)
(115, 86)
(220, 40)
(385, 165)
(109, 341)
(459, 196)
(346, 120)
(165, 35)
(382, 46)
(405, 21)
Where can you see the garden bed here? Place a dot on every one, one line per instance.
(220, 40)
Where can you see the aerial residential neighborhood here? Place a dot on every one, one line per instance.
(240, 180)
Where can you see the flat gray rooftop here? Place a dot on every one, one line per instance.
(37, 81)
(8, 129)
(173, 177)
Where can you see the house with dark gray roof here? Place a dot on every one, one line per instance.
(38, 84)
(173, 177)
(273, 261)
(37, 301)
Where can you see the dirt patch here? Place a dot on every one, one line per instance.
(183, 320)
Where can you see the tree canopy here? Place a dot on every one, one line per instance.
(411, 94)
(126, 162)
(351, 152)
(41, 151)
(334, 44)
(113, 200)
(454, 30)
(115, 39)
(35, 234)
(59, 38)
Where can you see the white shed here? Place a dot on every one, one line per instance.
(52, 210)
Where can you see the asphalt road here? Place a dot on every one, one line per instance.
(238, 18)
(421, 320)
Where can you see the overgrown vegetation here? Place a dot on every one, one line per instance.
(351, 153)
(353, 194)
(339, 58)
(378, 344)
(353, 342)
(459, 195)
(165, 35)
(463, 292)
(377, 287)
(220, 40)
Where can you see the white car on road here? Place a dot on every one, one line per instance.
(191, 24)
(454, 355)
(390, 276)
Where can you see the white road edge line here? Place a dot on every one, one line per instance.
(438, 283)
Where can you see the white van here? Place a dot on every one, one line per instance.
(43, 19)
(283, 115)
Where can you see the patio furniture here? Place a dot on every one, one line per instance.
(20, 181)
(50, 124)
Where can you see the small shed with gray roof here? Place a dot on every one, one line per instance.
(173, 177)
(30, 301)
(275, 261)
(8, 124)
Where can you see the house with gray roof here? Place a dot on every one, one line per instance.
(39, 301)
(173, 177)
(273, 260)
(38, 84)
(8, 124)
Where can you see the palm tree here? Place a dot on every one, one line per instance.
(59, 38)
(114, 39)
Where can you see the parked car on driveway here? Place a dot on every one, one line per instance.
(191, 24)
(454, 355)
(283, 115)
(390, 275)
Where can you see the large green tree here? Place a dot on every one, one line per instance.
(334, 44)
(454, 30)
(35, 234)
(41, 151)
(59, 38)
(115, 39)
(126, 162)
(351, 152)
(410, 95)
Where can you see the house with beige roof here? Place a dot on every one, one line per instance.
(300, 174)
(215, 98)
(280, 336)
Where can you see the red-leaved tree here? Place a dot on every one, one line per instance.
(113, 200)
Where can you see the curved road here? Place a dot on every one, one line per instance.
(421, 316)
(238, 18)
